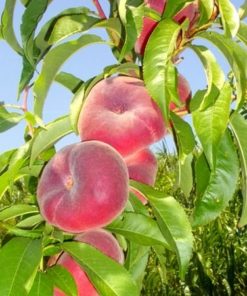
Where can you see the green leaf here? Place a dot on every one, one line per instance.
(17, 210)
(184, 176)
(108, 276)
(19, 260)
(68, 22)
(242, 33)
(68, 80)
(42, 286)
(130, 33)
(157, 55)
(75, 21)
(136, 262)
(184, 135)
(173, 7)
(26, 74)
(211, 123)
(215, 76)
(206, 10)
(30, 20)
(8, 119)
(243, 10)
(173, 222)
(16, 162)
(236, 55)
(4, 159)
(7, 30)
(239, 126)
(138, 228)
(202, 174)
(30, 221)
(53, 62)
(54, 131)
(175, 226)
(63, 280)
(229, 17)
(222, 184)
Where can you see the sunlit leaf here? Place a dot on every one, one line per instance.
(7, 30)
(17, 210)
(173, 222)
(236, 55)
(8, 119)
(157, 55)
(108, 276)
(173, 7)
(30, 19)
(63, 280)
(138, 228)
(221, 186)
(229, 17)
(42, 285)
(19, 260)
(215, 75)
(45, 138)
(206, 11)
(211, 123)
(239, 127)
(53, 62)
(68, 80)
(242, 32)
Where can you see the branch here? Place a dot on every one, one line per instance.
(99, 9)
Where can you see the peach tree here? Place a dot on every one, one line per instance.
(82, 220)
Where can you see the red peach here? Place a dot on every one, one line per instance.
(184, 93)
(120, 112)
(103, 241)
(142, 167)
(83, 186)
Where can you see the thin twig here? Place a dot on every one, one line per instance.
(99, 9)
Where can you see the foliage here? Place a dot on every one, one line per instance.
(198, 209)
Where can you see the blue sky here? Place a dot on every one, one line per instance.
(84, 64)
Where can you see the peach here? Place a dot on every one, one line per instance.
(103, 241)
(191, 12)
(84, 186)
(120, 112)
(142, 167)
(184, 94)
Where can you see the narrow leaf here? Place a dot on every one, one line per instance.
(53, 62)
(239, 127)
(42, 286)
(222, 184)
(157, 55)
(8, 119)
(68, 80)
(242, 32)
(173, 7)
(229, 17)
(30, 19)
(7, 30)
(215, 76)
(184, 135)
(17, 210)
(46, 138)
(211, 123)
(109, 277)
(138, 228)
(206, 10)
(236, 55)
(63, 280)
(19, 260)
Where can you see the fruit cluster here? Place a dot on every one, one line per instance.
(85, 186)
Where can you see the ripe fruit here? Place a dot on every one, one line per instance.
(191, 12)
(184, 93)
(142, 167)
(84, 186)
(103, 241)
(120, 112)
